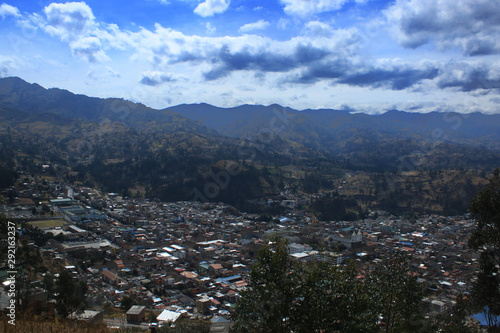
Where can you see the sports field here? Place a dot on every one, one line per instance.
(47, 223)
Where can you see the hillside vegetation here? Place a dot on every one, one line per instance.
(396, 161)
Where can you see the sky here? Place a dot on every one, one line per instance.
(361, 55)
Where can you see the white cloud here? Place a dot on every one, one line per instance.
(470, 76)
(210, 28)
(8, 10)
(103, 74)
(70, 20)
(212, 7)
(6, 65)
(155, 78)
(89, 48)
(259, 25)
(322, 59)
(318, 29)
(305, 8)
(283, 23)
(74, 22)
(473, 26)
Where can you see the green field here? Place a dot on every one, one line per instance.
(47, 223)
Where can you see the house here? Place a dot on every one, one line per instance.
(168, 316)
(61, 202)
(302, 256)
(215, 269)
(203, 304)
(109, 277)
(88, 316)
(220, 325)
(136, 314)
(298, 248)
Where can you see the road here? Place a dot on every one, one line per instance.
(122, 322)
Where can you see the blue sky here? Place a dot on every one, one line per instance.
(365, 55)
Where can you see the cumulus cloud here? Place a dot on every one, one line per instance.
(283, 23)
(210, 28)
(470, 25)
(265, 55)
(74, 22)
(259, 25)
(335, 56)
(212, 7)
(388, 74)
(8, 10)
(6, 64)
(470, 76)
(89, 48)
(395, 76)
(318, 29)
(305, 8)
(69, 20)
(155, 78)
(103, 74)
(321, 54)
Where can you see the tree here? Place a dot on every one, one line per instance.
(266, 306)
(455, 320)
(485, 208)
(286, 295)
(127, 302)
(398, 295)
(4, 228)
(332, 299)
(70, 294)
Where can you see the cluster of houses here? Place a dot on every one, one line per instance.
(187, 259)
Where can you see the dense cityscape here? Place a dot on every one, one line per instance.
(191, 259)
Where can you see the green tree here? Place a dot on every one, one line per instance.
(485, 208)
(4, 228)
(127, 302)
(332, 299)
(398, 295)
(266, 306)
(285, 295)
(455, 319)
(70, 294)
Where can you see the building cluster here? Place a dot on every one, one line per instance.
(192, 258)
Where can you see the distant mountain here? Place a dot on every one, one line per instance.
(32, 99)
(182, 151)
(375, 142)
(325, 127)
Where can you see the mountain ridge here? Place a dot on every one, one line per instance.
(340, 134)
(172, 153)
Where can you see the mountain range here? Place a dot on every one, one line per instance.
(87, 136)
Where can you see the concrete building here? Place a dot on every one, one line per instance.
(136, 314)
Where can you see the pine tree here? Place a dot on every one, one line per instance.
(485, 208)
(398, 295)
(267, 305)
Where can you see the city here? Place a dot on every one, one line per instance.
(191, 259)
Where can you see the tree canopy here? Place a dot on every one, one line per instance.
(287, 295)
(485, 208)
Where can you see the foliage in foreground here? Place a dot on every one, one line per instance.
(485, 208)
(285, 295)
